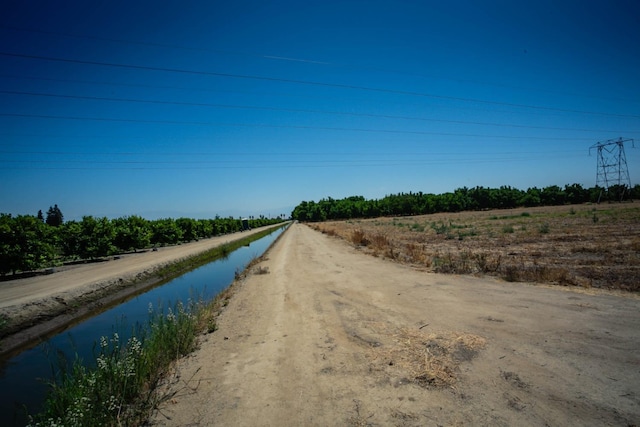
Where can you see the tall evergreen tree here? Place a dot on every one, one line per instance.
(54, 216)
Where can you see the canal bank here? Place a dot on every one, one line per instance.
(34, 308)
(24, 378)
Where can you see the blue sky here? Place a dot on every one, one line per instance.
(197, 108)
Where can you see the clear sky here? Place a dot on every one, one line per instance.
(197, 108)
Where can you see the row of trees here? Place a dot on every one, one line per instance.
(462, 199)
(28, 243)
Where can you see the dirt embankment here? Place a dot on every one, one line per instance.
(33, 307)
(332, 336)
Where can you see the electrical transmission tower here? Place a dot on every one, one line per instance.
(612, 166)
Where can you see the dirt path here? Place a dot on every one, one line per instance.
(50, 301)
(335, 337)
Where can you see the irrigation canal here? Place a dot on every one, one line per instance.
(23, 378)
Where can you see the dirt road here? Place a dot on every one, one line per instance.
(331, 336)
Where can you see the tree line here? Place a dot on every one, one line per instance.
(462, 199)
(29, 243)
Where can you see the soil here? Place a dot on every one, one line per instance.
(33, 307)
(325, 334)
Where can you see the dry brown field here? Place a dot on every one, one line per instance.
(590, 246)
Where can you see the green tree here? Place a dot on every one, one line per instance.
(54, 216)
(97, 237)
(576, 194)
(26, 244)
(531, 198)
(7, 249)
(189, 229)
(131, 232)
(165, 232)
(552, 196)
(69, 239)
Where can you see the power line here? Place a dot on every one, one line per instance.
(245, 165)
(296, 110)
(300, 60)
(282, 153)
(306, 82)
(264, 125)
(217, 90)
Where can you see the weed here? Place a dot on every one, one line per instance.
(118, 390)
(212, 326)
(225, 250)
(417, 227)
(453, 265)
(544, 228)
(358, 420)
(595, 218)
(485, 264)
(526, 214)
(330, 232)
(440, 228)
(511, 273)
(572, 211)
(4, 320)
(391, 252)
(380, 241)
(415, 252)
(261, 270)
(507, 229)
(358, 238)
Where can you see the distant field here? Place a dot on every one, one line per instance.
(591, 246)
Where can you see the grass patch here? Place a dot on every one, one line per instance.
(417, 227)
(508, 229)
(544, 228)
(119, 389)
(4, 321)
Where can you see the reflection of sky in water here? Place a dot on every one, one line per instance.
(22, 377)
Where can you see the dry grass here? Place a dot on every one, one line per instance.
(429, 359)
(584, 245)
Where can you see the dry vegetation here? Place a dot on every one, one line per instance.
(582, 245)
(427, 359)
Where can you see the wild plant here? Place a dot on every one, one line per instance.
(118, 389)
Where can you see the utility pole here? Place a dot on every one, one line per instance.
(612, 165)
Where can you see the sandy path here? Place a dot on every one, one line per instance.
(51, 301)
(328, 336)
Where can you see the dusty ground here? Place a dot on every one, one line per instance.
(332, 336)
(38, 305)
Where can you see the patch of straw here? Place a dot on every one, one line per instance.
(430, 359)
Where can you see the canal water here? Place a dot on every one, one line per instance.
(23, 378)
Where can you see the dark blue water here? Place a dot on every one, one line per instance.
(23, 378)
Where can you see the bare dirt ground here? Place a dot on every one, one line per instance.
(37, 305)
(333, 336)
